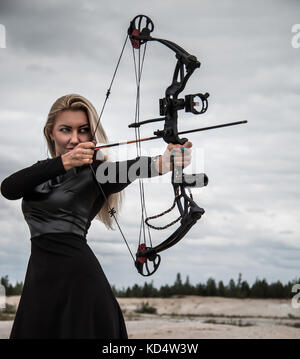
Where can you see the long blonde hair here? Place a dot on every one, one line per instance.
(74, 102)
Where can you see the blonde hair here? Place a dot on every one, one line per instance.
(74, 102)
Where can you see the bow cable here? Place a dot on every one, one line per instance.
(138, 69)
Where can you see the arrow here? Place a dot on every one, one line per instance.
(179, 133)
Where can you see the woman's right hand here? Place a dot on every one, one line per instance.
(81, 155)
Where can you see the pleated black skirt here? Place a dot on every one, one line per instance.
(66, 295)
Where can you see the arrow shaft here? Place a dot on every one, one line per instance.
(179, 133)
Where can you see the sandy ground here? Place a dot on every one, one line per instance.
(195, 317)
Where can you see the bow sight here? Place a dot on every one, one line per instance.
(191, 103)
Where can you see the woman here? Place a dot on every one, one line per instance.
(65, 293)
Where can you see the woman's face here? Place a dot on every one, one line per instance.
(70, 129)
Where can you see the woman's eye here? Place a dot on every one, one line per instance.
(82, 130)
(85, 129)
(64, 129)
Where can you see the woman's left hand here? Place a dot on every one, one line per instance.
(182, 157)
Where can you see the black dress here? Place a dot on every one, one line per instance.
(65, 293)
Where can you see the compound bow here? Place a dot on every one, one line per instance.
(139, 33)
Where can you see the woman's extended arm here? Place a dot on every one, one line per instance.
(19, 183)
(115, 176)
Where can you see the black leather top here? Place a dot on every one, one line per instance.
(67, 203)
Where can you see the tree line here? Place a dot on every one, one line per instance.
(9, 288)
(234, 289)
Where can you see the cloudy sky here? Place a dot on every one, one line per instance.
(251, 70)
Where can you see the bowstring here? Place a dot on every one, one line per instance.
(110, 86)
(111, 210)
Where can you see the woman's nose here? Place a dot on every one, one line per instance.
(74, 137)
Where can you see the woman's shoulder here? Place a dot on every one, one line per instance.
(23, 181)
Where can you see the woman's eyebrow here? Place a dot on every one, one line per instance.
(71, 126)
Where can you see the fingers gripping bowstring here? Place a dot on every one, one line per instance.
(112, 211)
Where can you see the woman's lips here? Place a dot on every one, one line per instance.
(70, 149)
